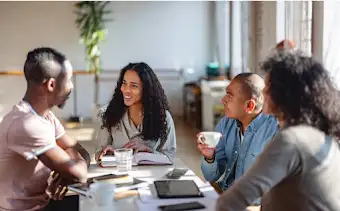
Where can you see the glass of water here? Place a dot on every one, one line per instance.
(124, 160)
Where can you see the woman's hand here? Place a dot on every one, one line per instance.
(219, 204)
(137, 146)
(108, 150)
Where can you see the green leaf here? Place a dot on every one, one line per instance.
(90, 20)
(101, 34)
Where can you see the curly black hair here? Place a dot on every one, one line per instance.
(154, 100)
(302, 89)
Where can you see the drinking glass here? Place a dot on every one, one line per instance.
(124, 160)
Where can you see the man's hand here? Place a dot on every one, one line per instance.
(137, 146)
(108, 150)
(84, 154)
(57, 187)
(207, 152)
(73, 148)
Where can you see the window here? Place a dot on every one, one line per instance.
(306, 27)
(294, 22)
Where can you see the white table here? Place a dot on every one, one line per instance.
(146, 173)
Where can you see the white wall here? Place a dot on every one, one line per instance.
(169, 35)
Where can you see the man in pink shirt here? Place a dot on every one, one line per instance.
(30, 130)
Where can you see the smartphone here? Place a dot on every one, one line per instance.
(176, 173)
(182, 206)
(107, 176)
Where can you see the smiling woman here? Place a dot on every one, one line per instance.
(138, 115)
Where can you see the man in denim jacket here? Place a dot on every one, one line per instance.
(245, 132)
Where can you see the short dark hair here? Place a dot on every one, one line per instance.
(43, 63)
(302, 89)
(252, 86)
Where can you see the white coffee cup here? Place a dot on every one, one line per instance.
(209, 138)
(102, 193)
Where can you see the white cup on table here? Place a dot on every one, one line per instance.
(102, 193)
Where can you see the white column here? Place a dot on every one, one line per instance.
(317, 29)
(245, 35)
(297, 22)
(280, 21)
(222, 34)
(236, 39)
(331, 41)
(252, 37)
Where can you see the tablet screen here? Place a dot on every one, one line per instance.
(177, 189)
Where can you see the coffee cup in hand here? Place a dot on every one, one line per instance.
(210, 139)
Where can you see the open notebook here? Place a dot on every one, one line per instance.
(122, 182)
(140, 158)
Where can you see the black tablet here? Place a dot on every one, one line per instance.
(177, 189)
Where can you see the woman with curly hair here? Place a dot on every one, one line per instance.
(299, 169)
(138, 115)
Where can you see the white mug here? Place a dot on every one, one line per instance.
(102, 193)
(210, 138)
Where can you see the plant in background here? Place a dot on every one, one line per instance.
(91, 21)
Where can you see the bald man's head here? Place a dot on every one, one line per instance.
(243, 99)
(251, 87)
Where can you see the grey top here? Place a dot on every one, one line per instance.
(298, 171)
(126, 131)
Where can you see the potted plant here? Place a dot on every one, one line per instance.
(91, 22)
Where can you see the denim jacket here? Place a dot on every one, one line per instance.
(229, 149)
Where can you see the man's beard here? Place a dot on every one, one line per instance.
(61, 106)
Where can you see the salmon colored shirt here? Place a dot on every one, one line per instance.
(23, 183)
